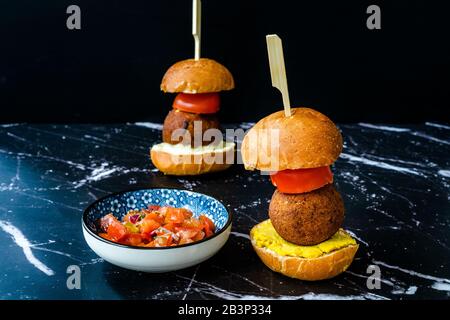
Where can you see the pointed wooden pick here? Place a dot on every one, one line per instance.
(197, 26)
(278, 70)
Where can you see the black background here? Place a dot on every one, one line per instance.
(110, 70)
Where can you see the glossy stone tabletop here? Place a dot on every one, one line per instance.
(395, 181)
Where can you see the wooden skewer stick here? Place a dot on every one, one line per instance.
(197, 26)
(278, 70)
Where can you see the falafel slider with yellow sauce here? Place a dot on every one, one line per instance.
(303, 238)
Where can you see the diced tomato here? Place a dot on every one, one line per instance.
(147, 237)
(154, 216)
(301, 180)
(163, 241)
(186, 241)
(156, 227)
(186, 233)
(149, 225)
(187, 213)
(162, 231)
(170, 226)
(116, 230)
(199, 236)
(133, 239)
(207, 231)
(208, 225)
(169, 240)
(151, 244)
(163, 210)
(174, 215)
(106, 221)
(192, 223)
(105, 236)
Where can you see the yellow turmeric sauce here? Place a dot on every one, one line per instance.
(265, 236)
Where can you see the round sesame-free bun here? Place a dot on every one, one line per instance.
(183, 160)
(311, 269)
(306, 139)
(197, 76)
(307, 218)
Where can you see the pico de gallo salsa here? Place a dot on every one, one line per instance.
(156, 226)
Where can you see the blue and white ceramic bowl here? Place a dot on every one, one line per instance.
(156, 259)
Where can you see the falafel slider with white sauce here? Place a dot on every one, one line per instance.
(187, 148)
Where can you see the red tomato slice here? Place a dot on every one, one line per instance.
(205, 103)
(301, 180)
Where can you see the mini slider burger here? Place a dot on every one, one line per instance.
(303, 238)
(186, 150)
(192, 142)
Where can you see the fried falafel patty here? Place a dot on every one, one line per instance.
(307, 218)
(177, 119)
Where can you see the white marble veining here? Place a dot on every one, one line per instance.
(240, 235)
(441, 286)
(413, 273)
(437, 125)
(149, 125)
(21, 241)
(211, 290)
(429, 137)
(385, 128)
(97, 174)
(379, 164)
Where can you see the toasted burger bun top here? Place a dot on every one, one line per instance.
(306, 139)
(197, 76)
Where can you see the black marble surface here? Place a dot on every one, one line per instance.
(394, 180)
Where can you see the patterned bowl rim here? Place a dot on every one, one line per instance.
(111, 195)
